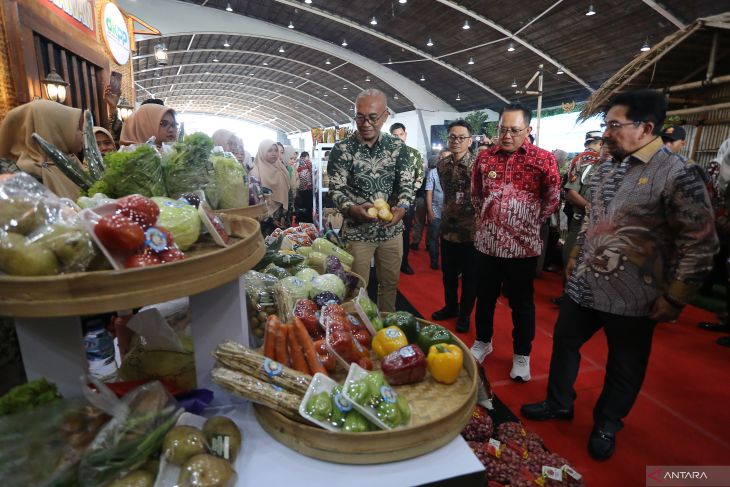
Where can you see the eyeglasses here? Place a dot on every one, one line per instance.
(512, 131)
(617, 125)
(361, 119)
(165, 124)
(454, 138)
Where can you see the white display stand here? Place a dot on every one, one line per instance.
(318, 164)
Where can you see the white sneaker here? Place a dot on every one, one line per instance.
(520, 368)
(480, 350)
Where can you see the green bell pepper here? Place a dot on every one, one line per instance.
(407, 323)
(431, 335)
(389, 413)
(320, 406)
(359, 392)
(356, 423)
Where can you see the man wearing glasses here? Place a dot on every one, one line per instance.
(457, 228)
(646, 245)
(362, 168)
(515, 187)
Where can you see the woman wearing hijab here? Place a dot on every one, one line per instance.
(104, 140)
(148, 121)
(58, 124)
(230, 142)
(273, 175)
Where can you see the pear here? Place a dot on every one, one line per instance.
(206, 471)
(136, 478)
(373, 212)
(18, 216)
(183, 442)
(72, 246)
(18, 257)
(385, 214)
(223, 436)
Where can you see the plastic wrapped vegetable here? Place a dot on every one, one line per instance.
(262, 300)
(276, 271)
(307, 274)
(231, 181)
(404, 366)
(406, 322)
(328, 248)
(316, 260)
(180, 219)
(134, 171)
(187, 166)
(444, 362)
(431, 335)
(328, 282)
(326, 298)
(389, 340)
(295, 288)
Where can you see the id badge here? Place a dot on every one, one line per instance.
(459, 198)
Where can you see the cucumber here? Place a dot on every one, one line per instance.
(68, 167)
(267, 259)
(288, 260)
(91, 150)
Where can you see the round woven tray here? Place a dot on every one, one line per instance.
(205, 267)
(259, 212)
(439, 413)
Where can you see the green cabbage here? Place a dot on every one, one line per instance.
(187, 167)
(328, 282)
(231, 182)
(182, 220)
(307, 274)
(132, 172)
(295, 288)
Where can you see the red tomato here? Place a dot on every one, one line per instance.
(142, 210)
(365, 363)
(119, 234)
(363, 337)
(328, 361)
(143, 259)
(171, 255)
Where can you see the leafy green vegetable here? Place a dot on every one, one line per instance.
(27, 396)
(231, 182)
(135, 172)
(187, 167)
(182, 220)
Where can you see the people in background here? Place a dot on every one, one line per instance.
(304, 194)
(364, 167)
(434, 207)
(290, 159)
(645, 248)
(457, 228)
(515, 189)
(104, 140)
(674, 138)
(416, 163)
(148, 121)
(58, 124)
(230, 142)
(272, 175)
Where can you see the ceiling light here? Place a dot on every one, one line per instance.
(514, 83)
(325, 94)
(559, 71)
(264, 63)
(591, 11)
(402, 1)
(458, 97)
(390, 61)
(395, 97)
(327, 61)
(471, 60)
(250, 74)
(216, 60)
(423, 78)
(307, 73)
(291, 82)
(281, 49)
(226, 44)
(228, 7)
(373, 21)
(291, 25)
(307, 1)
(367, 78)
(161, 54)
(511, 47)
(645, 47)
(344, 43)
(466, 25)
(344, 87)
(430, 42)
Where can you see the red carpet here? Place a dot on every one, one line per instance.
(680, 418)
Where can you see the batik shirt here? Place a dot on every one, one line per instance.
(457, 213)
(416, 162)
(437, 198)
(650, 231)
(304, 170)
(360, 174)
(513, 193)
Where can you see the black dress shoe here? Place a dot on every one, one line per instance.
(462, 325)
(601, 444)
(445, 313)
(721, 327)
(540, 411)
(406, 269)
(414, 246)
(724, 341)
(435, 266)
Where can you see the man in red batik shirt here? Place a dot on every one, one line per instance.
(515, 187)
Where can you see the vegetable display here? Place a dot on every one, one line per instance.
(187, 167)
(231, 182)
(431, 335)
(406, 322)
(445, 362)
(389, 340)
(328, 282)
(134, 171)
(180, 219)
(404, 366)
(373, 396)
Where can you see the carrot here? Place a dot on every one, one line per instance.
(297, 356)
(308, 347)
(270, 337)
(280, 352)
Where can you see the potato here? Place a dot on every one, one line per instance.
(183, 442)
(206, 471)
(223, 436)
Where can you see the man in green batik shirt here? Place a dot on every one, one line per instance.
(362, 168)
(416, 163)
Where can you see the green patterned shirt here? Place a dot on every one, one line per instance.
(458, 218)
(360, 174)
(416, 162)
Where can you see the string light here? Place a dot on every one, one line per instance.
(228, 7)
(430, 42)
(471, 60)
(511, 47)
(591, 11)
(466, 25)
(373, 21)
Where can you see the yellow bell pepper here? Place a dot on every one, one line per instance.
(444, 362)
(389, 340)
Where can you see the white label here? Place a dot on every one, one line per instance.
(407, 352)
(495, 443)
(116, 33)
(552, 473)
(566, 468)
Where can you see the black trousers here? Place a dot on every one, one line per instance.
(407, 225)
(459, 258)
(517, 276)
(629, 345)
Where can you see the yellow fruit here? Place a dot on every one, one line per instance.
(373, 212)
(385, 215)
(380, 203)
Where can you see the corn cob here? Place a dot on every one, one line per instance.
(243, 359)
(91, 150)
(257, 391)
(68, 167)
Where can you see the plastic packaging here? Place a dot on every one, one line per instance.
(368, 312)
(262, 299)
(328, 282)
(371, 394)
(39, 233)
(180, 219)
(188, 166)
(231, 181)
(404, 366)
(213, 224)
(134, 169)
(339, 407)
(328, 248)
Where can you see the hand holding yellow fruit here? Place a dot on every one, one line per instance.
(373, 212)
(380, 203)
(385, 214)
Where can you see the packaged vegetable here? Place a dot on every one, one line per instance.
(206, 470)
(368, 311)
(187, 167)
(431, 335)
(316, 260)
(306, 310)
(99, 199)
(133, 170)
(295, 288)
(305, 251)
(389, 340)
(223, 437)
(28, 396)
(276, 271)
(180, 219)
(307, 274)
(288, 259)
(328, 248)
(328, 282)
(404, 366)
(183, 442)
(232, 182)
(444, 362)
(325, 298)
(373, 396)
(326, 406)
(262, 299)
(406, 322)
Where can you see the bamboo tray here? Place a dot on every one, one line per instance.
(439, 413)
(206, 266)
(258, 212)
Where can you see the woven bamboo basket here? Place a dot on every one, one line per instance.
(439, 413)
(258, 212)
(205, 267)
